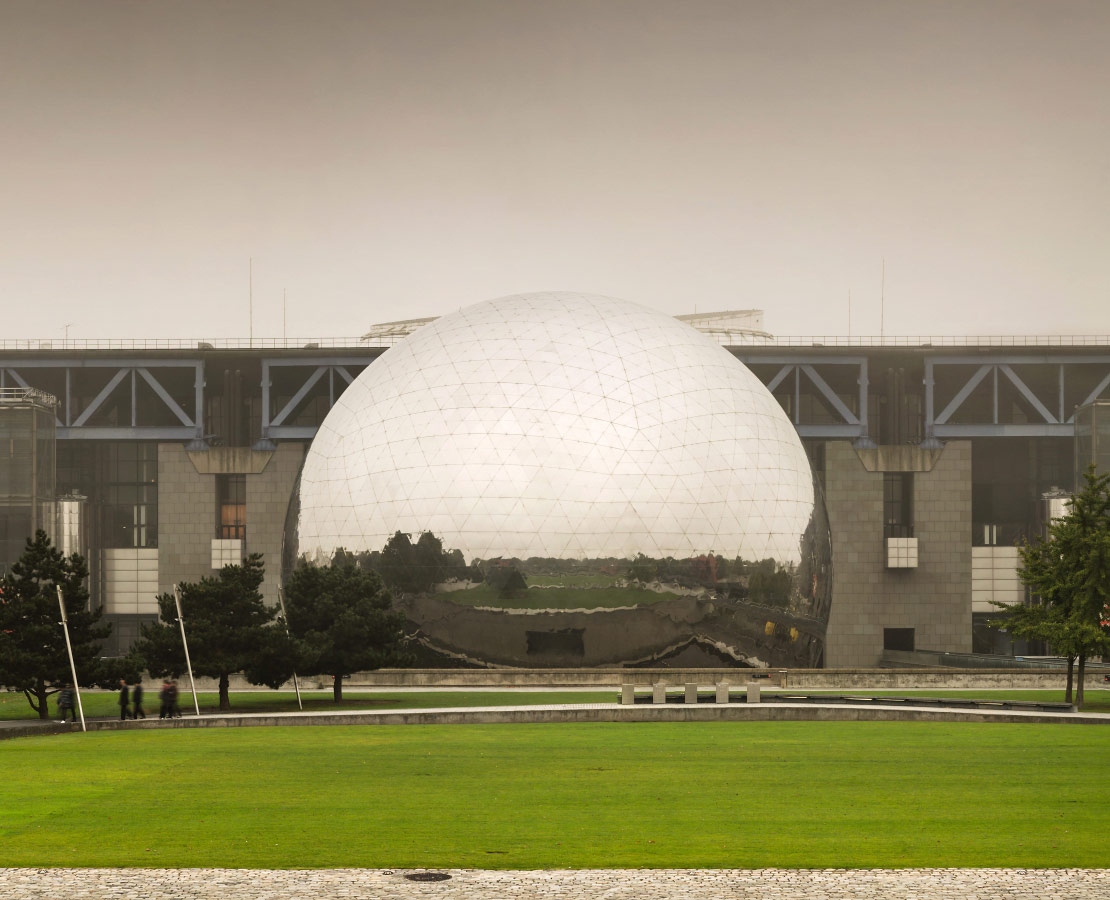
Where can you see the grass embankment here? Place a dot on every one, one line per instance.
(1097, 700)
(98, 703)
(839, 794)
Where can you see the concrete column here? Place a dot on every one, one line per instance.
(753, 692)
(658, 693)
(722, 693)
(691, 693)
(628, 694)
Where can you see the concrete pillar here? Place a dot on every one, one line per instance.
(628, 694)
(691, 693)
(658, 693)
(722, 692)
(753, 691)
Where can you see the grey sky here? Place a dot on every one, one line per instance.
(383, 160)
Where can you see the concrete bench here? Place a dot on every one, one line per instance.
(690, 693)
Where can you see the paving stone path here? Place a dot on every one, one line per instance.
(603, 884)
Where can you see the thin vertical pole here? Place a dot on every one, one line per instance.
(185, 644)
(285, 619)
(882, 303)
(69, 650)
(250, 292)
(994, 369)
(284, 337)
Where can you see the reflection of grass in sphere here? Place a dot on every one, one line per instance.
(539, 597)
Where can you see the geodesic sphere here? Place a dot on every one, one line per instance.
(569, 427)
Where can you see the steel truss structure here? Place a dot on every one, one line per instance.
(75, 419)
(1052, 416)
(962, 395)
(337, 371)
(805, 371)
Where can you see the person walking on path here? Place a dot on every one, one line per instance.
(137, 711)
(175, 710)
(124, 700)
(65, 702)
(166, 710)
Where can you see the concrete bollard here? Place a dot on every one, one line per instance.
(722, 693)
(691, 693)
(753, 691)
(628, 694)
(658, 693)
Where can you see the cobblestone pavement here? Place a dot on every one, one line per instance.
(604, 884)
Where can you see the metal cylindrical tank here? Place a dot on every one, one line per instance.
(1054, 505)
(72, 525)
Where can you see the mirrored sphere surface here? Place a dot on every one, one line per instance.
(580, 481)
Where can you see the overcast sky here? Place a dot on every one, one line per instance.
(385, 160)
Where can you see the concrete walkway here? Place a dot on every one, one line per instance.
(603, 884)
(573, 712)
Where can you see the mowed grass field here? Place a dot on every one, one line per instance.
(837, 794)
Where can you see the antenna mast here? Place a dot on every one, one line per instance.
(882, 303)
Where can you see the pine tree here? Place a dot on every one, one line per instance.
(33, 656)
(1069, 573)
(343, 620)
(229, 629)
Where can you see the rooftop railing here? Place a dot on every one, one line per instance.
(944, 340)
(14, 395)
(728, 339)
(200, 344)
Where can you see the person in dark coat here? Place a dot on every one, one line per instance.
(166, 710)
(65, 703)
(124, 699)
(137, 711)
(175, 710)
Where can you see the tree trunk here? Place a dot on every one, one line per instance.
(225, 700)
(1071, 678)
(43, 707)
(1079, 680)
(337, 688)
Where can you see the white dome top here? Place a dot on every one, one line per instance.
(558, 425)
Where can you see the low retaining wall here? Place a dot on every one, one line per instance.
(735, 712)
(817, 679)
(864, 679)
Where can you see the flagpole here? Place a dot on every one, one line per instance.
(185, 644)
(69, 650)
(285, 619)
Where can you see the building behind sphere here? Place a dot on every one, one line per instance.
(934, 454)
(642, 491)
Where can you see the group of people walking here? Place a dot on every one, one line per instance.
(131, 702)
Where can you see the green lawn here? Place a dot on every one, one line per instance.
(837, 794)
(15, 706)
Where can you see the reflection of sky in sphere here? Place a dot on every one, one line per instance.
(558, 425)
